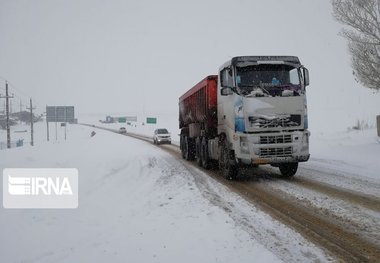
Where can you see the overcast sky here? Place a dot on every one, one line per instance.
(134, 56)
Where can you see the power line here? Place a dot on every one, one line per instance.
(27, 96)
(22, 96)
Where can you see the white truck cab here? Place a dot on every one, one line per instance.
(262, 113)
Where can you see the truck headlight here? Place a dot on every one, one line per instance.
(256, 151)
(244, 146)
(255, 139)
(305, 138)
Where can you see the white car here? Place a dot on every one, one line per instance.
(161, 136)
(122, 130)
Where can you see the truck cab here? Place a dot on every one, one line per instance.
(262, 113)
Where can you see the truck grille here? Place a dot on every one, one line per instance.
(276, 152)
(274, 122)
(275, 139)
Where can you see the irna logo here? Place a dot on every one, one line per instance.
(40, 188)
(39, 185)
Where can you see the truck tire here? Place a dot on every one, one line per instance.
(288, 169)
(205, 158)
(198, 151)
(227, 165)
(182, 146)
(189, 146)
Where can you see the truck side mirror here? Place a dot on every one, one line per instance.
(306, 76)
(226, 77)
(226, 91)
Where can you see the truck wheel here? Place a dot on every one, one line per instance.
(288, 169)
(226, 164)
(189, 149)
(198, 151)
(182, 144)
(204, 154)
(186, 148)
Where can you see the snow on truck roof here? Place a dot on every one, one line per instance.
(249, 60)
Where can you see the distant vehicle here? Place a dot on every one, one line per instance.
(122, 130)
(161, 136)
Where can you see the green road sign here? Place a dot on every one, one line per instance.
(122, 120)
(150, 120)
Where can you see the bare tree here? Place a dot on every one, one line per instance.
(362, 18)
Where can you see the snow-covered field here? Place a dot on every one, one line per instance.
(356, 153)
(138, 204)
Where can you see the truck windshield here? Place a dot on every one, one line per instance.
(268, 80)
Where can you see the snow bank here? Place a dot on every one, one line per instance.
(133, 206)
(355, 153)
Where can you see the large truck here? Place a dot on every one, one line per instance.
(254, 112)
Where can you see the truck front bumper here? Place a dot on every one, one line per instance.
(273, 148)
(278, 160)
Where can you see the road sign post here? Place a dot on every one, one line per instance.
(59, 114)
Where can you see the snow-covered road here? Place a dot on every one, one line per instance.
(341, 216)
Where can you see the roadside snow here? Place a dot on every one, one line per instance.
(355, 153)
(133, 206)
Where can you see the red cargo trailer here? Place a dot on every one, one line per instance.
(199, 105)
(198, 119)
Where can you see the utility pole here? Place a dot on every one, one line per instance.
(20, 115)
(31, 122)
(7, 97)
(47, 125)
